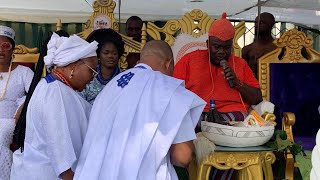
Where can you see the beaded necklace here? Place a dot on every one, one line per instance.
(61, 77)
(7, 82)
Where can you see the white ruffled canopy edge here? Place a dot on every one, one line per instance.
(63, 51)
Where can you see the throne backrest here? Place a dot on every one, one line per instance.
(25, 55)
(103, 17)
(190, 33)
(289, 77)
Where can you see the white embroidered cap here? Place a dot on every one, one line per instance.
(8, 32)
(63, 51)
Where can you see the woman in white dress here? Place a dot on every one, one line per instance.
(50, 137)
(14, 83)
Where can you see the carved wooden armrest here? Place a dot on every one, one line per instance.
(22, 49)
(288, 120)
(269, 117)
(24, 54)
(289, 172)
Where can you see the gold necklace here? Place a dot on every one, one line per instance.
(7, 82)
(1, 76)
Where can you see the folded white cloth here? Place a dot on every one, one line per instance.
(66, 50)
(203, 147)
(264, 107)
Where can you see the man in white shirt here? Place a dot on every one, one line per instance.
(141, 123)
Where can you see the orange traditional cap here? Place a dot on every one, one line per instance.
(222, 28)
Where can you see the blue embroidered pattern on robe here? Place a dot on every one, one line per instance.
(142, 67)
(49, 78)
(124, 80)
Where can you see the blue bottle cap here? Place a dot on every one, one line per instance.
(212, 103)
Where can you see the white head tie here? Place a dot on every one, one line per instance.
(8, 32)
(63, 51)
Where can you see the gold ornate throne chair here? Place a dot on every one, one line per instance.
(189, 34)
(103, 17)
(289, 77)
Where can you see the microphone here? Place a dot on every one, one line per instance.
(224, 65)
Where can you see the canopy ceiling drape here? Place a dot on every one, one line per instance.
(304, 12)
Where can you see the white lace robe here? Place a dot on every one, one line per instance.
(18, 84)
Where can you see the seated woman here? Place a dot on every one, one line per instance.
(110, 49)
(57, 117)
(14, 83)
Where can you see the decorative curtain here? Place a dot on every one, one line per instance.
(32, 34)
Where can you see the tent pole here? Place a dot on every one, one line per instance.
(259, 12)
(256, 34)
(119, 6)
(259, 7)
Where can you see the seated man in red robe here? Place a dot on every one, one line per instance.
(233, 86)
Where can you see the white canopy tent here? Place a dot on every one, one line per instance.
(45, 11)
(305, 12)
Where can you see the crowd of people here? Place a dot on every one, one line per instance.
(86, 119)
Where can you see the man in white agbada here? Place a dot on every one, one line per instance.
(141, 123)
(57, 117)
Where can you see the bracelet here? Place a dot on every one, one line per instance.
(238, 86)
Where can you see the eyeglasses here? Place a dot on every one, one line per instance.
(94, 72)
(6, 46)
